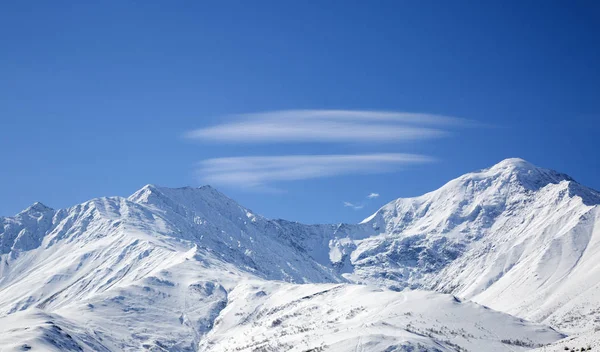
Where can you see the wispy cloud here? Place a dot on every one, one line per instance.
(261, 171)
(327, 126)
(360, 205)
(316, 126)
(353, 206)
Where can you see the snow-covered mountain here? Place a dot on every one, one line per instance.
(514, 237)
(189, 269)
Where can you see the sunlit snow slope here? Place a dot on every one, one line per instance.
(189, 269)
(514, 237)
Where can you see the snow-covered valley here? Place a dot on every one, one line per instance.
(502, 259)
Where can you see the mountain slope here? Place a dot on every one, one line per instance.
(515, 237)
(158, 270)
(283, 317)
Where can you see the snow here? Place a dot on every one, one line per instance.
(513, 237)
(587, 341)
(189, 269)
(277, 316)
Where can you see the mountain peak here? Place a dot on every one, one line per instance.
(37, 208)
(202, 199)
(150, 189)
(525, 173)
(516, 163)
(492, 185)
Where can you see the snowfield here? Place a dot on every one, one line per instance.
(189, 269)
(342, 317)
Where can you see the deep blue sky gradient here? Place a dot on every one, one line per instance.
(94, 97)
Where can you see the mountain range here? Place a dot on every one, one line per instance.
(501, 259)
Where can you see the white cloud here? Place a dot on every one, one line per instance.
(261, 171)
(327, 126)
(357, 206)
(353, 206)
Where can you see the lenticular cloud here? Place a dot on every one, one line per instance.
(332, 126)
(253, 171)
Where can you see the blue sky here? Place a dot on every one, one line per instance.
(100, 99)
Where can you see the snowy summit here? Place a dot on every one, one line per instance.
(501, 259)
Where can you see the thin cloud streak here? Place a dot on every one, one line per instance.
(261, 171)
(358, 206)
(353, 206)
(332, 126)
